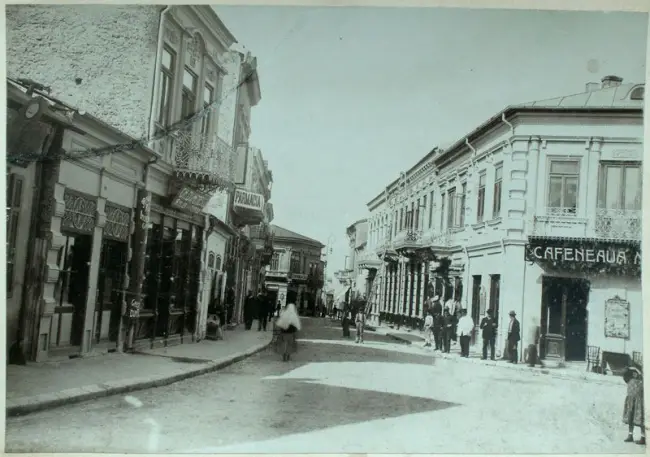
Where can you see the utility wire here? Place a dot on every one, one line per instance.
(123, 147)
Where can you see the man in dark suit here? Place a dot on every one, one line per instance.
(489, 333)
(514, 335)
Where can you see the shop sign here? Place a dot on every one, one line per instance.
(585, 255)
(617, 318)
(248, 200)
(190, 200)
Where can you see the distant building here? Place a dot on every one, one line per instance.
(538, 211)
(295, 273)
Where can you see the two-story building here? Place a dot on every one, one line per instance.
(120, 229)
(296, 271)
(538, 211)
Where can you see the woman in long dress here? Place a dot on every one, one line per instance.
(289, 325)
(633, 408)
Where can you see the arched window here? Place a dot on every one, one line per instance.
(637, 93)
(211, 260)
(218, 264)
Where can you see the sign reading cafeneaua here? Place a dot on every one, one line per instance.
(573, 254)
(585, 254)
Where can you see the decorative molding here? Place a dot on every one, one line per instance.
(80, 212)
(172, 36)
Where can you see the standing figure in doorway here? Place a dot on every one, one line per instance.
(249, 310)
(489, 333)
(533, 341)
(465, 329)
(447, 330)
(428, 329)
(438, 328)
(230, 306)
(360, 321)
(633, 407)
(514, 335)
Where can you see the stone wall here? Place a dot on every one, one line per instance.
(99, 59)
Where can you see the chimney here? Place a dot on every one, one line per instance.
(592, 87)
(611, 81)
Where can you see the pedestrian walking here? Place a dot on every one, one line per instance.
(438, 327)
(514, 335)
(249, 310)
(428, 329)
(345, 323)
(533, 340)
(436, 308)
(278, 308)
(489, 333)
(465, 329)
(447, 330)
(263, 305)
(230, 305)
(633, 407)
(360, 321)
(289, 325)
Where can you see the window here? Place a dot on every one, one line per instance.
(495, 293)
(498, 180)
(211, 260)
(217, 264)
(620, 186)
(480, 207)
(275, 261)
(431, 209)
(563, 186)
(476, 297)
(401, 218)
(208, 98)
(14, 199)
(638, 93)
(188, 105)
(167, 67)
(461, 216)
(451, 210)
(442, 211)
(417, 214)
(424, 210)
(412, 216)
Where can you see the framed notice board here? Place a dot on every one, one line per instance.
(617, 318)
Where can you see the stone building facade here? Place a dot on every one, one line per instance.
(537, 211)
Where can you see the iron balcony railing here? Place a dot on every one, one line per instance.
(201, 158)
(618, 224)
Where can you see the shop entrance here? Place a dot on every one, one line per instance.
(112, 267)
(71, 291)
(564, 314)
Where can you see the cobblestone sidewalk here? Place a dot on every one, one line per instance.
(39, 386)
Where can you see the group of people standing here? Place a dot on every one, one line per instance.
(260, 307)
(442, 326)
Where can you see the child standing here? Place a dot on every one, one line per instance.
(633, 409)
(360, 321)
(428, 324)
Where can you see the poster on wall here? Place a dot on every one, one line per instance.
(617, 318)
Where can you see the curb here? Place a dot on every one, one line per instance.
(545, 370)
(26, 405)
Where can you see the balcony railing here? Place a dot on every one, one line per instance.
(618, 224)
(409, 238)
(202, 159)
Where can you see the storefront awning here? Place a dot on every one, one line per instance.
(341, 295)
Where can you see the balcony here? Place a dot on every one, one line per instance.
(408, 239)
(203, 162)
(369, 261)
(558, 222)
(618, 224)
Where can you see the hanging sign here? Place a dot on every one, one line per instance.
(617, 318)
(585, 255)
(248, 200)
(190, 200)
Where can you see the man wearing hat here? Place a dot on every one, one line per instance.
(437, 306)
(633, 412)
(514, 335)
(489, 333)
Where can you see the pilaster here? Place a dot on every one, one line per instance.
(409, 289)
(421, 291)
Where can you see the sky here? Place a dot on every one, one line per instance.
(352, 96)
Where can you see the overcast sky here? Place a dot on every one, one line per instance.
(352, 96)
